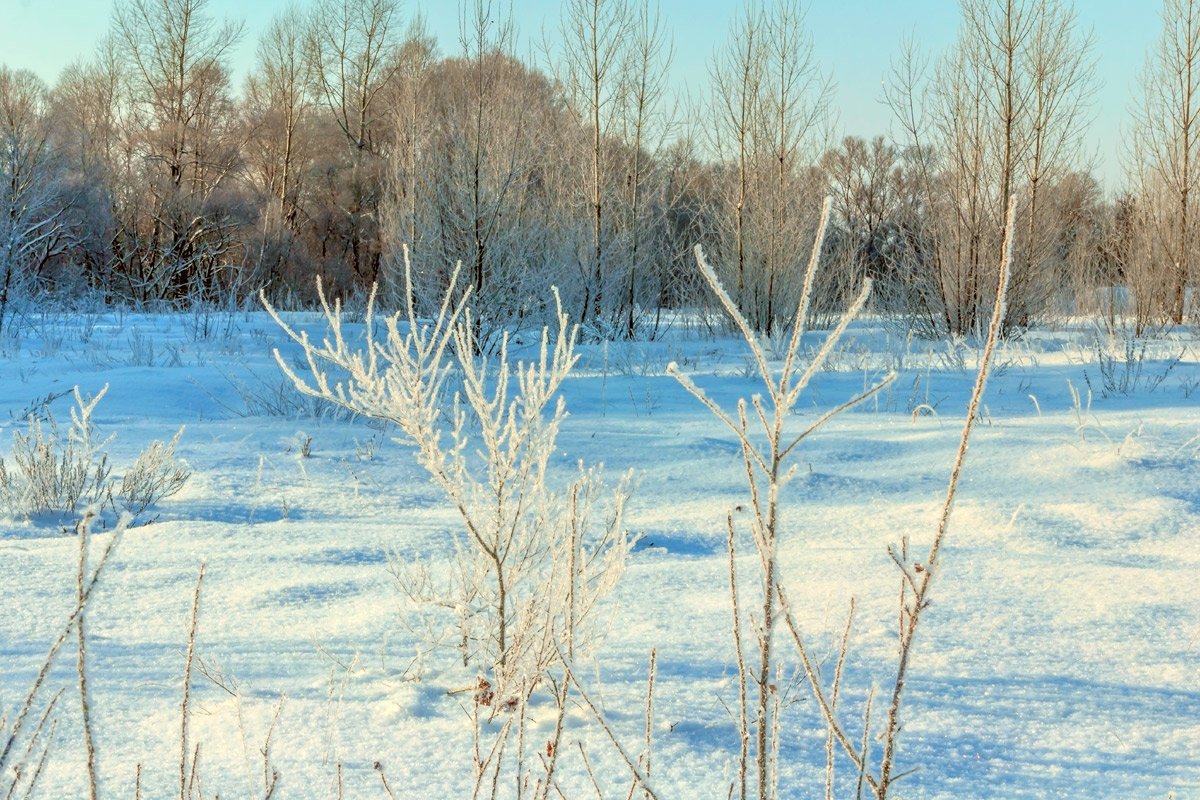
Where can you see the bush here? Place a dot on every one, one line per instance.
(1126, 367)
(55, 473)
(533, 559)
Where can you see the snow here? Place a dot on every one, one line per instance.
(1060, 656)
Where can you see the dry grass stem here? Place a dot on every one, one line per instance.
(587, 765)
(81, 529)
(17, 728)
(185, 709)
(837, 681)
(270, 774)
(598, 715)
(382, 777)
(813, 673)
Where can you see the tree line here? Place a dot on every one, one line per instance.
(144, 176)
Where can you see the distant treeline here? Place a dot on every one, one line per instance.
(143, 176)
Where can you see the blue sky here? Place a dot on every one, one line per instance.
(854, 39)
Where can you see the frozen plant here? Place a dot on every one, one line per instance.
(878, 779)
(27, 735)
(55, 473)
(156, 474)
(768, 452)
(1126, 367)
(536, 556)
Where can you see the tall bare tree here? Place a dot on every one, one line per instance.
(485, 177)
(89, 120)
(408, 99)
(351, 49)
(1166, 150)
(794, 105)
(33, 225)
(595, 35)
(175, 50)
(176, 55)
(646, 125)
(868, 184)
(736, 73)
(770, 100)
(1000, 114)
(277, 94)
(278, 153)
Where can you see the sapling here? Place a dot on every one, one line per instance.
(916, 587)
(768, 452)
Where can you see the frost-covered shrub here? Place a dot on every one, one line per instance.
(1126, 367)
(156, 474)
(534, 556)
(52, 472)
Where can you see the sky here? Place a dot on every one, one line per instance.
(854, 41)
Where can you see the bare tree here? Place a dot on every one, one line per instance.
(736, 73)
(645, 126)
(33, 222)
(595, 35)
(87, 117)
(1000, 114)
(179, 89)
(278, 94)
(795, 101)
(408, 100)
(278, 152)
(770, 99)
(487, 177)
(1060, 69)
(868, 185)
(1166, 150)
(88, 104)
(350, 47)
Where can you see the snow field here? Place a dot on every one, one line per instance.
(1061, 656)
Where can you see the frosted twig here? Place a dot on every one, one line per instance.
(187, 690)
(598, 715)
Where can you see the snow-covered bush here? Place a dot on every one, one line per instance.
(52, 472)
(530, 568)
(1127, 365)
(157, 473)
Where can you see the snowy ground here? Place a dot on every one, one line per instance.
(1061, 656)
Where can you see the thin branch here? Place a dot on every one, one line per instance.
(187, 690)
(920, 598)
(814, 680)
(39, 681)
(631, 763)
